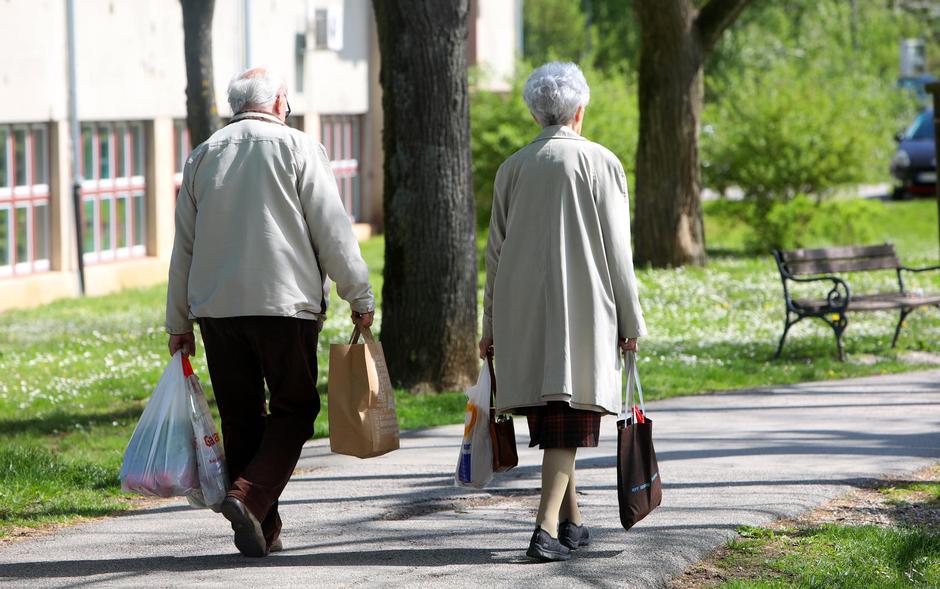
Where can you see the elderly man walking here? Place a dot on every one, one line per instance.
(259, 228)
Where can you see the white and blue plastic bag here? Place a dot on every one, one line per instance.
(475, 461)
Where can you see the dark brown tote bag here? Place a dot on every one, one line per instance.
(639, 488)
(502, 431)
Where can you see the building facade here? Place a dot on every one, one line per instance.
(130, 90)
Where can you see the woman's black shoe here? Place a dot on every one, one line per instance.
(543, 547)
(573, 536)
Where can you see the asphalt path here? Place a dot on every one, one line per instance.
(728, 459)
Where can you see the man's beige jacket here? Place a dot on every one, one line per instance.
(259, 228)
(560, 285)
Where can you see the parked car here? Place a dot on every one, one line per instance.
(915, 162)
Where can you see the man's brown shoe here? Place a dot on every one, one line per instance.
(248, 536)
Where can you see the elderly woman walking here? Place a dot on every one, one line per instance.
(561, 300)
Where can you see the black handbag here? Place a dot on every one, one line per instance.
(639, 487)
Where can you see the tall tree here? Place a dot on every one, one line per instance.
(429, 299)
(675, 39)
(202, 116)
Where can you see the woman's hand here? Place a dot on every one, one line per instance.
(486, 347)
(628, 345)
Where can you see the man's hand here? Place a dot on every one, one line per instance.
(363, 319)
(486, 346)
(185, 342)
(627, 345)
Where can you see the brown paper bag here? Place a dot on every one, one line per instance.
(362, 416)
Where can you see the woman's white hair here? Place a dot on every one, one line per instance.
(255, 87)
(554, 92)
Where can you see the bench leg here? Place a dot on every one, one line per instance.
(838, 326)
(786, 329)
(897, 330)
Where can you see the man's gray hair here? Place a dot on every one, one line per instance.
(554, 92)
(255, 87)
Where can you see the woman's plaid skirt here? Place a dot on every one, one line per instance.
(558, 425)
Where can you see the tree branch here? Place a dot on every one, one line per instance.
(714, 18)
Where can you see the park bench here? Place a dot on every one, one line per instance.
(821, 265)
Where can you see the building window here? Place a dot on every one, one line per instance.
(24, 199)
(113, 191)
(321, 28)
(340, 135)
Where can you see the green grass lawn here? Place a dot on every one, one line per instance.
(805, 556)
(75, 374)
(847, 557)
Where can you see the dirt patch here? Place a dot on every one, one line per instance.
(920, 357)
(885, 503)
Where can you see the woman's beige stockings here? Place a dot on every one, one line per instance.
(559, 497)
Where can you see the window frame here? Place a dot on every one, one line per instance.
(341, 136)
(105, 193)
(21, 200)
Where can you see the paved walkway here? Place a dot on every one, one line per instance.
(726, 460)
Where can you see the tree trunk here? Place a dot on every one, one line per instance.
(202, 116)
(429, 302)
(675, 39)
(669, 228)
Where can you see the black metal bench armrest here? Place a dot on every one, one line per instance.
(924, 269)
(838, 296)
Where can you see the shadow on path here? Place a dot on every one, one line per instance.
(430, 557)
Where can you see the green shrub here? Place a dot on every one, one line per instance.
(793, 130)
(801, 222)
(500, 125)
(785, 131)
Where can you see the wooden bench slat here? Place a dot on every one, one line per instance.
(875, 302)
(804, 268)
(834, 253)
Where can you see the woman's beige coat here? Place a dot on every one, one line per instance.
(560, 286)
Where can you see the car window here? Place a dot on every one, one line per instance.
(922, 127)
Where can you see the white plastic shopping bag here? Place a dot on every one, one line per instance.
(210, 458)
(475, 463)
(160, 458)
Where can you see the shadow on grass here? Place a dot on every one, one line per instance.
(60, 422)
(735, 254)
(56, 513)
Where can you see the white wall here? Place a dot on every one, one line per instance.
(130, 57)
(337, 82)
(497, 41)
(32, 60)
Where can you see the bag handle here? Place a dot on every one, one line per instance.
(633, 383)
(489, 364)
(365, 332)
(187, 367)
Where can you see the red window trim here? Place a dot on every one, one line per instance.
(21, 199)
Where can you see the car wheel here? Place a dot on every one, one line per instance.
(898, 193)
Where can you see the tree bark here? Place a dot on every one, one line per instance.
(675, 39)
(202, 116)
(429, 297)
